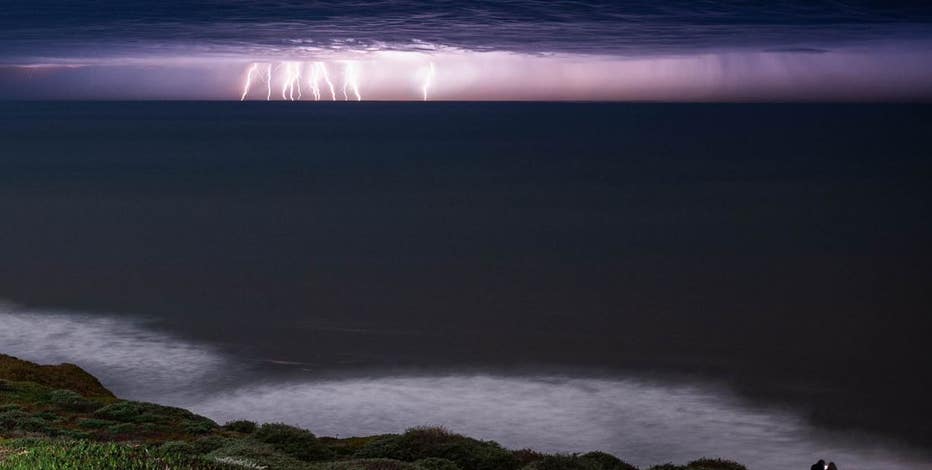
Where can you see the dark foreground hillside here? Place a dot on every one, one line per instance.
(61, 417)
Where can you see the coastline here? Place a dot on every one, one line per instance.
(43, 424)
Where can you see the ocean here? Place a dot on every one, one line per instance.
(660, 281)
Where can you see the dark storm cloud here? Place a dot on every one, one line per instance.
(70, 29)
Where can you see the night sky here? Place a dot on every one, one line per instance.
(525, 50)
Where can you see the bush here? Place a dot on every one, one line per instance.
(72, 434)
(703, 464)
(198, 427)
(121, 428)
(250, 453)
(422, 443)
(176, 448)
(347, 447)
(299, 443)
(149, 418)
(139, 412)
(238, 463)
(10, 418)
(49, 417)
(434, 463)
(714, 464)
(93, 423)
(605, 461)
(367, 464)
(241, 426)
(18, 422)
(9, 407)
(562, 462)
(72, 401)
(526, 456)
(207, 444)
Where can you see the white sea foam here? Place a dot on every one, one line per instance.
(644, 422)
(129, 358)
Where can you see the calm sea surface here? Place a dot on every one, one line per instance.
(659, 281)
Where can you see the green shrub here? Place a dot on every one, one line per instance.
(71, 401)
(562, 462)
(714, 464)
(434, 463)
(94, 423)
(605, 461)
(249, 453)
(198, 427)
(703, 464)
(121, 428)
(299, 443)
(241, 426)
(240, 463)
(526, 456)
(10, 418)
(128, 412)
(49, 416)
(72, 434)
(347, 447)
(150, 419)
(366, 464)
(207, 444)
(139, 412)
(18, 422)
(177, 448)
(422, 443)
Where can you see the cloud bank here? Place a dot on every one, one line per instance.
(526, 50)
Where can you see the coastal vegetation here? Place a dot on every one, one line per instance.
(62, 418)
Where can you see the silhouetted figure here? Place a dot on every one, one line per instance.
(831, 466)
(820, 465)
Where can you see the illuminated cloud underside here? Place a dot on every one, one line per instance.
(482, 50)
(450, 74)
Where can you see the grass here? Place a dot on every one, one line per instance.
(62, 376)
(46, 425)
(40, 454)
(34, 410)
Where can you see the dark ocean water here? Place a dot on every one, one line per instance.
(774, 255)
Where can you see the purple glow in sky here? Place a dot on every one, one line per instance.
(413, 50)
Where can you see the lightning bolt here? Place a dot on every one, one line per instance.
(268, 81)
(252, 70)
(320, 71)
(333, 91)
(313, 81)
(292, 81)
(428, 80)
(351, 81)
